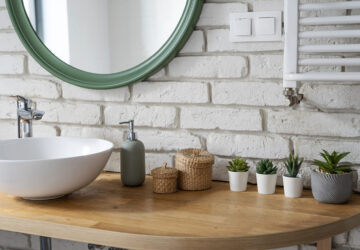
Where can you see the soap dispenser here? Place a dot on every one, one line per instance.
(132, 163)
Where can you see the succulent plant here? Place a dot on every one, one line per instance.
(293, 165)
(331, 164)
(266, 167)
(238, 165)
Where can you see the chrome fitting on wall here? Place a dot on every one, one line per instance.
(293, 96)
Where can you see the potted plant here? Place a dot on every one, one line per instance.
(266, 177)
(238, 174)
(332, 182)
(293, 184)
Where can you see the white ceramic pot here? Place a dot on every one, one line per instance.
(293, 187)
(266, 183)
(238, 181)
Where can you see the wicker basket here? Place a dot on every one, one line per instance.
(195, 169)
(164, 179)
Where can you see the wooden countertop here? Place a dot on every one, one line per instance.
(109, 214)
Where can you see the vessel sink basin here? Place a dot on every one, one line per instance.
(50, 167)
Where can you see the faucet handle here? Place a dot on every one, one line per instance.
(23, 103)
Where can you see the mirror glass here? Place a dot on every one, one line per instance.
(104, 36)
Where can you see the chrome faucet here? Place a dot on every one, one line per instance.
(25, 115)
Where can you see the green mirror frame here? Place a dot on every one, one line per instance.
(85, 79)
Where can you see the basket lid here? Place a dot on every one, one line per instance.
(199, 155)
(164, 172)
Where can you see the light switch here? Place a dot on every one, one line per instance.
(241, 27)
(265, 26)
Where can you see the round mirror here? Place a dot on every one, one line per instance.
(103, 43)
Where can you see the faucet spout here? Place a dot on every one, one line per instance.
(37, 115)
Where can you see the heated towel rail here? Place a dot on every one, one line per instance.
(300, 26)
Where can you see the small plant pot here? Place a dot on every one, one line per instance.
(293, 186)
(266, 183)
(238, 181)
(331, 188)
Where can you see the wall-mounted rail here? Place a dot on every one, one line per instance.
(300, 32)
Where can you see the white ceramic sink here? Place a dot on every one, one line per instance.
(48, 168)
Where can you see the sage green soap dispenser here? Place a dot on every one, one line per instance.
(132, 163)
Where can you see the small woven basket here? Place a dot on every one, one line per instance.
(164, 179)
(195, 169)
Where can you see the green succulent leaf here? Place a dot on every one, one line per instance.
(293, 165)
(266, 167)
(238, 165)
(332, 165)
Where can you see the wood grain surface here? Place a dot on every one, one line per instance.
(109, 214)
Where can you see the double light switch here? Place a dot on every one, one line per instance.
(255, 26)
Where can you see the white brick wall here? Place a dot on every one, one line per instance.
(208, 67)
(222, 96)
(171, 92)
(217, 14)
(11, 64)
(150, 116)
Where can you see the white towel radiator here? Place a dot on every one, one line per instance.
(294, 24)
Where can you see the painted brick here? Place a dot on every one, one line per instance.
(11, 64)
(5, 22)
(158, 75)
(313, 123)
(79, 113)
(196, 43)
(308, 247)
(219, 170)
(340, 239)
(8, 109)
(248, 93)
(266, 66)
(113, 164)
(217, 14)
(209, 67)
(220, 118)
(309, 148)
(58, 244)
(115, 135)
(266, 5)
(154, 116)
(109, 95)
(35, 68)
(354, 238)
(14, 240)
(8, 130)
(252, 146)
(170, 92)
(29, 88)
(357, 180)
(333, 96)
(218, 41)
(42, 130)
(10, 42)
(168, 140)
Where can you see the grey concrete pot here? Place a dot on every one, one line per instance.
(331, 188)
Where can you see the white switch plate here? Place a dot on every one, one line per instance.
(265, 26)
(241, 26)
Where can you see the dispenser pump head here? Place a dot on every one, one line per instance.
(131, 135)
